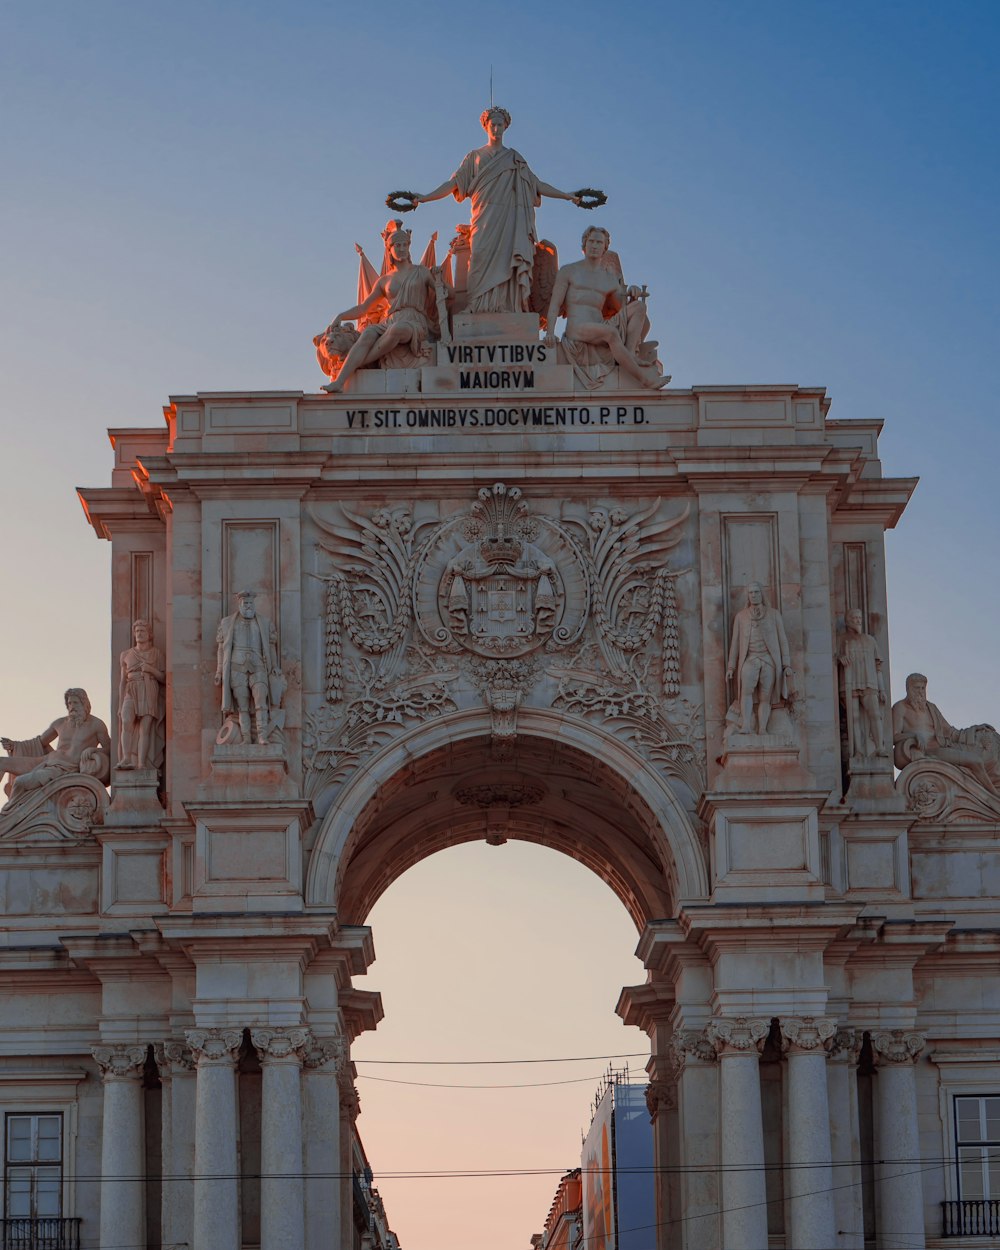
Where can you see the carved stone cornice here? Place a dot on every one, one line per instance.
(120, 1063)
(738, 1035)
(280, 1045)
(660, 1096)
(214, 1046)
(897, 1045)
(808, 1034)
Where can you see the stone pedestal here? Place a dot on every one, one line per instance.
(872, 786)
(762, 762)
(134, 798)
(482, 327)
(249, 771)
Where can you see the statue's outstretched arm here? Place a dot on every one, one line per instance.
(554, 193)
(446, 188)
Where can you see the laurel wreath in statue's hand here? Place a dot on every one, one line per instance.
(401, 201)
(590, 197)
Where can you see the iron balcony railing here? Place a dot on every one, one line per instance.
(972, 1218)
(46, 1233)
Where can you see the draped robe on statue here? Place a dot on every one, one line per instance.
(504, 194)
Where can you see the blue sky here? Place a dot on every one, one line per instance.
(808, 189)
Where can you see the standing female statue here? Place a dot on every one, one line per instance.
(504, 194)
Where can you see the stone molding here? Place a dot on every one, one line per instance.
(120, 1063)
(807, 1034)
(660, 1096)
(737, 1036)
(280, 1045)
(214, 1046)
(897, 1045)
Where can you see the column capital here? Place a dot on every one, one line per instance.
(350, 1100)
(897, 1045)
(321, 1051)
(690, 1044)
(807, 1034)
(660, 1096)
(844, 1045)
(176, 1055)
(120, 1063)
(280, 1045)
(738, 1035)
(214, 1046)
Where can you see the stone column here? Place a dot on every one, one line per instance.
(900, 1189)
(165, 1071)
(744, 1196)
(324, 1063)
(845, 1140)
(123, 1146)
(810, 1171)
(694, 1062)
(216, 1219)
(281, 1052)
(178, 1156)
(661, 1100)
(350, 1107)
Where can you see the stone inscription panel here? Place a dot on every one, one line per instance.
(494, 416)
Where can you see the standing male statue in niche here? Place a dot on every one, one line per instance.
(84, 747)
(919, 730)
(759, 652)
(601, 325)
(140, 702)
(247, 667)
(864, 689)
(504, 194)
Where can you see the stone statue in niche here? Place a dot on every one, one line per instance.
(864, 689)
(140, 702)
(759, 662)
(84, 746)
(402, 339)
(920, 731)
(248, 672)
(504, 194)
(606, 322)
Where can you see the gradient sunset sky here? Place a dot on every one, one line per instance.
(808, 189)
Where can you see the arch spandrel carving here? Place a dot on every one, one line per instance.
(628, 825)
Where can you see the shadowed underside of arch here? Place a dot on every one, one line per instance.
(593, 799)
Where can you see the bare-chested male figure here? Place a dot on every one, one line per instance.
(409, 291)
(919, 729)
(588, 293)
(84, 747)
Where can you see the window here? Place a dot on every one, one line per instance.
(977, 1140)
(33, 1166)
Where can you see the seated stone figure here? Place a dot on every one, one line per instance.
(920, 731)
(84, 746)
(605, 326)
(402, 340)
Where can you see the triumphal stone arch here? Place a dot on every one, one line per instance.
(493, 580)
